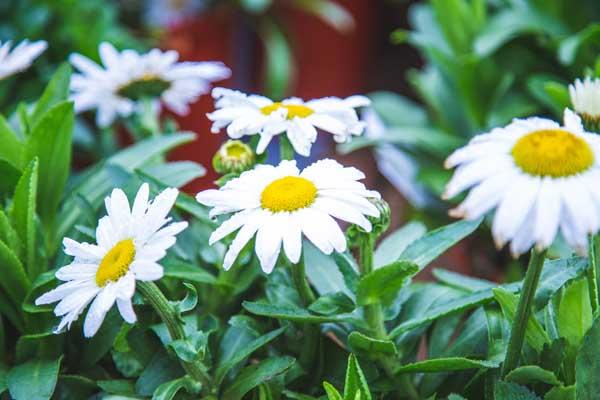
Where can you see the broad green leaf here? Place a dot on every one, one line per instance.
(10, 175)
(460, 281)
(175, 174)
(531, 374)
(455, 397)
(168, 390)
(535, 335)
(97, 183)
(446, 364)
(355, 381)
(398, 110)
(512, 391)
(294, 313)
(95, 348)
(33, 380)
(56, 92)
(574, 317)
(278, 61)
(332, 392)
(117, 386)
(359, 342)
(254, 375)
(430, 246)
(14, 279)
(383, 284)
(192, 348)
(23, 215)
(323, 272)
(161, 369)
(561, 393)
(50, 142)
(569, 47)
(11, 149)
(587, 368)
(226, 365)
(189, 302)
(333, 303)
(175, 268)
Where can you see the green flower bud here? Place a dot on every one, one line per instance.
(379, 224)
(233, 157)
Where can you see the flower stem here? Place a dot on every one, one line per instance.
(286, 150)
(311, 332)
(592, 272)
(517, 334)
(376, 322)
(169, 316)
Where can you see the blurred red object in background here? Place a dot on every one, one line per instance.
(326, 63)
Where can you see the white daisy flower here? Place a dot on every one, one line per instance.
(19, 58)
(130, 242)
(244, 114)
(538, 175)
(280, 204)
(127, 76)
(585, 97)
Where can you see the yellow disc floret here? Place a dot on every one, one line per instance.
(290, 193)
(552, 152)
(116, 262)
(293, 110)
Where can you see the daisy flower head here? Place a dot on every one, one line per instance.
(20, 57)
(244, 114)
(539, 176)
(130, 242)
(125, 77)
(585, 98)
(281, 204)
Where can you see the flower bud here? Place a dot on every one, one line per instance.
(234, 156)
(379, 224)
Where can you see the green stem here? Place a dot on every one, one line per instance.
(311, 332)
(169, 316)
(376, 322)
(517, 334)
(286, 150)
(592, 272)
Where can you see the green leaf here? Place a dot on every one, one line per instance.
(574, 317)
(587, 369)
(175, 174)
(333, 303)
(535, 335)
(23, 215)
(531, 374)
(255, 6)
(11, 149)
(159, 370)
(225, 366)
(175, 268)
(394, 245)
(50, 142)
(330, 12)
(447, 364)
(56, 92)
(192, 348)
(293, 313)
(168, 390)
(117, 386)
(10, 175)
(460, 281)
(332, 392)
(33, 380)
(252, 376)
(355, 381)
(429, 247)
(569, 47)
(383, 284)
(324, 274)
(561, 393)
(278, 61)
(359, 342)
(14, 279)
(512, 391)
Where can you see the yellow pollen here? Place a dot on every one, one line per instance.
(116, 262)
(552, 152)
(236, 149)
(290, 193)
(293, 110)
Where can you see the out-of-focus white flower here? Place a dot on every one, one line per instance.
(538, 175)
(585, 98)
(280, 204)
(244, 114)
(125, 77)
(20, 57)
(398, 167)
(130, 242)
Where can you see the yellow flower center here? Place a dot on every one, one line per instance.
(293, 110)
(236, 149)
(552, 152)
(116, 262)
(290, 193)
